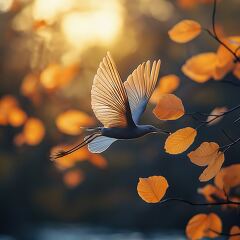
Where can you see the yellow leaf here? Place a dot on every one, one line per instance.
(98, 160)
(167, 84)
(185, 31)
(73, 178)
(204, 154)
(152, 189)
(234, 230)
(213, 168)
(180, 140)
(169, 107)
(236, 71)
(196, 226)
(228, 177)
(17, 117)
(211, 193)
(215, 224)
(201, 67)
(71, 121)
(33, 131)
(199, 226)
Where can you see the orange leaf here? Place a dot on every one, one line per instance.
(17, 117)
(228, 177)
(224, 55)
(98, 160)
(199, 226)
(215, 224)
(235, 230)
(196, 226)
(33, 131)
(236, 71)
(71, 121)
(73, 178)
(204, 154)
(180, 140)
(169, 107)
(211, 192)
(167, 84)
(213, 168)
(201, 67)
(152, 189)
(185, 31)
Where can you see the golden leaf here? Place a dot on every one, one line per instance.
(185, 31)
(167, 84)
(180, 140)
(199, 226)
(71, 121)
(152, 189)
(213, 168)
(204, 154)
(201, 67)
(169, 107)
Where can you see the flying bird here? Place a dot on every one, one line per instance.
(119, 106)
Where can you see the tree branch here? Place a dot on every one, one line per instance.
(214, 35)
(228, 202)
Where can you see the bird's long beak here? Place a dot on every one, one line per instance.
(159, 130)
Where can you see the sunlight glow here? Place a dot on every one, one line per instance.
(100, 26)
(5, 5)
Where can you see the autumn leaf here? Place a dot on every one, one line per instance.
(236, 71)
(180, 141)
(213, 168)
(73, 178)
(211, 193)
(200, 226)
(167, 84)
(201, 67)
(33, 131)
(152, 189)
(17, 117)
(98, 161)
(228, 177)
(235, 230)
(71, 121)
(185, 31)
(204, 154)
(224, 56)
(55, 75)
(169, 107)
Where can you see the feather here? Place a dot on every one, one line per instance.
(109, 98)
(140, 86)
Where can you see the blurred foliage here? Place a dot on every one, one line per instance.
(49, 52)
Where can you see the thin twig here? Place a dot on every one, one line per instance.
(214, 34)
(228, 202)
(224, 234)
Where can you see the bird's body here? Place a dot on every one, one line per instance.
(119, 105)
(128, 132)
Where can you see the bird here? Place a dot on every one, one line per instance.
(119, 105)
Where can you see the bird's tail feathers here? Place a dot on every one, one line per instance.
(61, 153)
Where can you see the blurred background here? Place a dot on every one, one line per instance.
(49, 54)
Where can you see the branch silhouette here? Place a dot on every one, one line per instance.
(227, 202)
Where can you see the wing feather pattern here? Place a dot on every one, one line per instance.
(109, 97)
(140, 86)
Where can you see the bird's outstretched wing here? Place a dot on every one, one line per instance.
(109, 98)
(140, 86)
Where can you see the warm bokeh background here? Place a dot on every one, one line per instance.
(49, 53)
